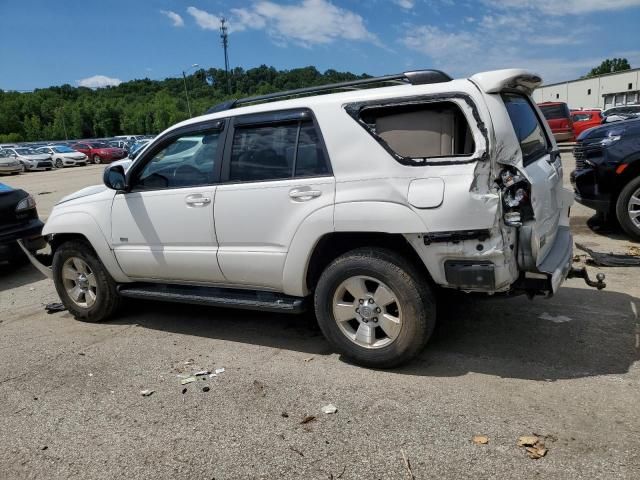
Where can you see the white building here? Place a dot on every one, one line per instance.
(605, 91)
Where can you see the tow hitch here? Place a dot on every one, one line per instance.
(582, 273)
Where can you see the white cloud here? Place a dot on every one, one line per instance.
(408, 4)
(205, 20)
(564, 7)
(99, 81)
(310, 22)
(174, 17)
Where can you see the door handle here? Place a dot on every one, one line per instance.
(304, 194)
(197, 200)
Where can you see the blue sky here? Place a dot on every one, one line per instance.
(98, 42)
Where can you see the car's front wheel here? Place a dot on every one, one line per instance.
(83, 283)
(97, 159)
(628, 208)
(374, 307)
(59, 163)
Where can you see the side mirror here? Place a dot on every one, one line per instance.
(114, 178)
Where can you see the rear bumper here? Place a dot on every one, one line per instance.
(563, 136)
(557, 264)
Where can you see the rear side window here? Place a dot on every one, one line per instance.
(581, 117)
(555, 111)
(276, 152)
(527, 127)
(429, 130)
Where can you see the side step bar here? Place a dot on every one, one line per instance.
(215, 297)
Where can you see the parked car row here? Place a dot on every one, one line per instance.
(566, 125)
(16, 159)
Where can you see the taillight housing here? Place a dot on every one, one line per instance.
(516, 197)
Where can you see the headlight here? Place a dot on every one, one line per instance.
(26, 203)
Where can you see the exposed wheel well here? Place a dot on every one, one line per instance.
(58, 239)
(332, 245)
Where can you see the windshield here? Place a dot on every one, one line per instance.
(63, 149)
(553, 112)
(26, 151)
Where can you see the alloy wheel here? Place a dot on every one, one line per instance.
(367, 312)
(79, 282)
(633, 208)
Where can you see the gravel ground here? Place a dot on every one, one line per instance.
(565, 369)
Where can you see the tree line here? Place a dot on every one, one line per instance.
(140, 106)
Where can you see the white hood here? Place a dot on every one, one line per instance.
(85, 192)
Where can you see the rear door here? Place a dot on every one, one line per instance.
(276, 174)
(541, 162)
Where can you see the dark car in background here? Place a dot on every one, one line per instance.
(18, 221)
(584, 120)
(559, 119)
(100, 152)
(607, 174)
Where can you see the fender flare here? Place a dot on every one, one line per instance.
(82, 223)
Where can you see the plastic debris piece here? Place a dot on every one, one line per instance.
(610, 259)
(91, 374)
(184, 390)
(551, 318)
(189, 362)
(308, 359)
(480, 439)
(54, 307)
(219, 370)
(205, 389)
(211, 375)
(184, 381)
(307, 419)
(528, 440)
(329, 409)
(146, 393)
(201, 373)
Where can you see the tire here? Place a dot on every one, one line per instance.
(22, 168)
(69, 258)
(96, 159)
(59, 163)
(413, 305)
(629, 200)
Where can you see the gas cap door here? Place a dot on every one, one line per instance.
(426, 192)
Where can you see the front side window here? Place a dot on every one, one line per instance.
(276, 152)
(527, 127)
(187, 161)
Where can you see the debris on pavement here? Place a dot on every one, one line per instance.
(43, 447)
(54, 307)
(205, 389)
(307, 419)
(187, 380)
(184, 390)
(610, 259)
(329, 409)
(551, 318)
(189, 362)
(146, 393)
(284, 415)
(201, 373)
(258, 388)
(308, 359)
(407, 465)
(533, 446)
(294, 449)
(480, 439)
(218, 371)
(212, 375)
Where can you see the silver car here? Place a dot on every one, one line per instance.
(31, 159)
(9, 165)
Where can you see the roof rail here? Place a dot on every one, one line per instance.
(418, 77)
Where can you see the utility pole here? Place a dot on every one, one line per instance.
(224, 35)
(186, 93)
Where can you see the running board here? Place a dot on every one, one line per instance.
(214, 297)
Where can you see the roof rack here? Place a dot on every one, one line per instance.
(418, 77)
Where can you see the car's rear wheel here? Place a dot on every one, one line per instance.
(83, 283)
(97, 159)
(628, 208)
(374, 307)
(59, 163)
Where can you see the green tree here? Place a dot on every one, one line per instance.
(610, 66)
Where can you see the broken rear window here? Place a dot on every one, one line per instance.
(420, 131)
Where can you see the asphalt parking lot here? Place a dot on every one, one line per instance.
(565, 369)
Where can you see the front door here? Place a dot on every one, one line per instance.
(276, 174)
(162, 229)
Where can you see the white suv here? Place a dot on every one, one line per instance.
(365, 204)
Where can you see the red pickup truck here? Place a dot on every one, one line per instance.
(559, 119)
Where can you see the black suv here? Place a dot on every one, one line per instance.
(18, 221)
(607, 174)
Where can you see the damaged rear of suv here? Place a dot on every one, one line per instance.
(365, 204)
